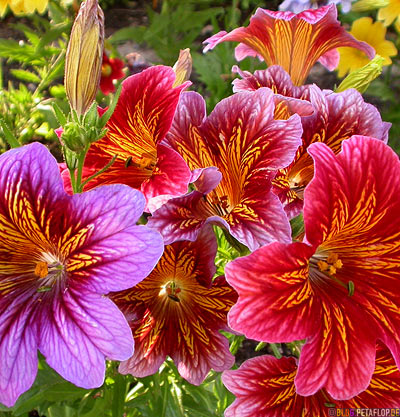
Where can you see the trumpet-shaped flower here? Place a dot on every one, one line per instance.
(339, 288)
(139, 123)
(244, 141)
(59, 256)
(178, 311)
(295, 42)
(373, 33)
(336, 117)
(111, 69)
(20, 7)
(264, 387)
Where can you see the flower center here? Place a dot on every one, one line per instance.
(172, 290)
(218, 205)
(325, 265)
(106, 70)
(49, 270)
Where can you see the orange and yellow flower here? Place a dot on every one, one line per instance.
(373, 33)
(293, 41)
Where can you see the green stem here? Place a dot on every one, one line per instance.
(99, 172)
(81, 161)
(275, 350)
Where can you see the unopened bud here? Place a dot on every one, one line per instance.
(84, 57)
(73, 137)
(366, 5)
(183, 67)
(361, 78)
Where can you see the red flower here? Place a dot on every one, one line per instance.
(338, 289)
(178, 311)
(336, 117)
(139, 123)
(242, 139)
(111, 69)
(293, 41)
(264, 387)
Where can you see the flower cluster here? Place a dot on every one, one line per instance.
(81, 281)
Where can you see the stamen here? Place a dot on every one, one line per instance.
(172, 291)
(41, 269)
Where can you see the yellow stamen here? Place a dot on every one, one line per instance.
(41, 269)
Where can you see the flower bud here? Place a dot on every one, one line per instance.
(183, 67)
(361, 78)
(84, 57)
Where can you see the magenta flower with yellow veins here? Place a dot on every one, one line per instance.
(60, 256)
(178, 310)
(243, 140)
(338, 289)
(335, 118)
(373, 33)
(293, 41)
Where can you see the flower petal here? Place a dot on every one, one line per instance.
(275, 298)
(17, 349)
(78, 332)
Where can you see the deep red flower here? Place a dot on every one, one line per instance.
(264, 387)
(242, 139)
(338, 289)
(336, 117)
(111, 69)
(139, 123)
(178, 311)
(293, 41)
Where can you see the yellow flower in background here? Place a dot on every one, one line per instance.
(390, 13)
(19, 7)
(373, 33)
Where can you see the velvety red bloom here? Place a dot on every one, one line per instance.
(242, 139)
(293, 41)
(338, 289)
(336, 117)
(111, 69)
(139, 123)
(178, 311)
(264, 387)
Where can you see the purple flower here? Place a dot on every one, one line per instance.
(298, 6)
(59, 255)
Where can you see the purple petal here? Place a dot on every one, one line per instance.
(78, 331)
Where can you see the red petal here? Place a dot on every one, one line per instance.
(140, 121)
(276, 301)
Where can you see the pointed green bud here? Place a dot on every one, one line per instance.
(366, 5)
(361, 78)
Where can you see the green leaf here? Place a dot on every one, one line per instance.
(10, 138)
(119, 395)
(26, 76)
